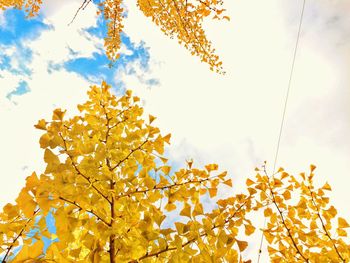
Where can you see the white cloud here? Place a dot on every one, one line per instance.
(20, 152)
(245, 105)
(69, 41)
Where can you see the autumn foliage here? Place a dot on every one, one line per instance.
(114, 198)
(182, 19)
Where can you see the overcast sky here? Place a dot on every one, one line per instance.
(232, 120)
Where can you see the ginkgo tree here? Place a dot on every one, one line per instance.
(182, 19)
(114, 198)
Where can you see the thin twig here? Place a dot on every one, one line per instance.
(84, 209)
(82, 7)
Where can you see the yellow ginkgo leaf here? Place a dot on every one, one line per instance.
(198, 209)
(242, 245)
(342, 223)
(166, 138)
(228, 182)
(41, 125)
(312, 167)
(267, 212)
(249, 229)
(213, 191)
(211, 167)
(249, 182)
(186, 211)
(170, 207)
(151, 118)
(327, 187)
(58, 114)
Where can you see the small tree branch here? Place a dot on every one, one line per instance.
(84, 209)
(82, 7)
(87, 178)
(8, 250)
(207, 5)
(282, 217)
(324, 226)
(160, 188)
(127, 157)
(192, 240)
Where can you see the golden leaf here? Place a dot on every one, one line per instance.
(170, 207)
(58, 114)
(166, 169)
(249, 229)
(186, 211)
(312, 167)
(249, 182)
(267, 212)
(341, 232)
(269, 237)
(242, 245)
(213, 192)
(198, 210)
(228, 182)
(151, 118)
(342, 223)
(41, 125)
(327, 187)
(166, 138)
(211, 167)
(286, 194)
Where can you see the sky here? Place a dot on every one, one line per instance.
(232, 120)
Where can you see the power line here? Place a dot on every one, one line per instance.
(285, 109)
(289, 85)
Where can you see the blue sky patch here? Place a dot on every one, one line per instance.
(22, 54)
(21, 89)
(17, 27)
(100, 68)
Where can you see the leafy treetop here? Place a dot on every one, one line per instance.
(110, 190)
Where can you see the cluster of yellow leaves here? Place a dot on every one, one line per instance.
(31, 7)
(110, 190)
(183, 19)
(108, 186)
(113, 14)
(23, 220)
(176, 18)
(300, 219)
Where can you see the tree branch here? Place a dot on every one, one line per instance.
(18, 236)
(84, 209)
(190, 241)
(324, 226)
(87, 178)
(127, 157)
(82, 7)
(285, 225)
(162, 187)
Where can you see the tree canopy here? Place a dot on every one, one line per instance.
(182, 19)
(115, 198)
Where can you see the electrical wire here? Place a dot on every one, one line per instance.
(289, 85)
(284, 110)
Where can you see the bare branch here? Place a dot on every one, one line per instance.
(82, 7)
